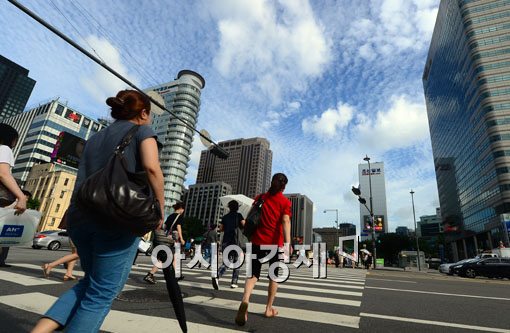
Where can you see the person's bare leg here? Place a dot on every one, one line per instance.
(70, 268)
(271, 294)
(45, 325)
(154, 269)
(67, 258)
(242, 313)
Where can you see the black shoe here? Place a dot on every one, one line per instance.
(5, 265)
(180, 278)
(149, 278)
(215, 283)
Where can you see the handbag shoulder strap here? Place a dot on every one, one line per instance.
(175, 220)
(126, 140)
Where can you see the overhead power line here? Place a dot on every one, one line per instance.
(216, 150)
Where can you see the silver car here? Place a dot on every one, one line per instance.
(446, 268)
(51, 239)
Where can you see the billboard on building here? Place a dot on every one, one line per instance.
(378, 223)
(68, 149)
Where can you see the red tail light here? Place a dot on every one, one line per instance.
(40, 236)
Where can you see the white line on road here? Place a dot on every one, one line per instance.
(320, 299)
(435, 323)
(290, 313)
(442, 294)
(25, 280)
(403, 281)
(116, 321)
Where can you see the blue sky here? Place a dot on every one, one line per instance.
(326, 82)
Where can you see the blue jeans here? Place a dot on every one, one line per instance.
(232, 256)
(207, 253)
(106, 257)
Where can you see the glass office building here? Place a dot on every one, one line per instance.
(467, 91)
(15, 88)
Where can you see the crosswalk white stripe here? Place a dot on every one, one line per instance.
(313, 283)
(25, 280)
(283, 312)
(299, 279)
(319, 299)
(115, 322)
(292, 276)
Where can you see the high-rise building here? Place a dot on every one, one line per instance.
(15, 88)
(467, 91)
(302, 217)
(402, 231)
(247, 170)
(378, 193)
(203, 202)
(39, 129)
(182, 96)
(429, 225)
(52, 184)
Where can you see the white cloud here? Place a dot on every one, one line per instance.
(272, 45)
(275, 117)
(392, 27)
(104, 84)
(329, 122)
(404, 124)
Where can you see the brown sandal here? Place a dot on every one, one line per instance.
(69, 278)
(241, 314)
(46, 270)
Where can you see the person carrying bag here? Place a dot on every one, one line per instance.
(9, 189)
(106, 244)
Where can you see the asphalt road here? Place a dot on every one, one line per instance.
(347, 301)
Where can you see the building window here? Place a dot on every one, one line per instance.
(52, 222)
(58, 208)
(66, 181)
(62, 194)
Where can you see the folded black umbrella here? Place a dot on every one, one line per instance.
(174, 292)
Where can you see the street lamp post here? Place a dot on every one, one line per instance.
(363, 201)
(367, 159)
(336, 221)
(416, 232)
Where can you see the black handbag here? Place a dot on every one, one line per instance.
(240, 237)
(7, 198)
(166, 237)
(125, 198)
(253, 218)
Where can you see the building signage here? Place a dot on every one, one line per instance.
(73, 116)
(68, 149)
(375, 171)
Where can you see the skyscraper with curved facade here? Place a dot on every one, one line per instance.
(182, 96)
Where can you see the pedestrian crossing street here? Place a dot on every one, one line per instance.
(330, 305)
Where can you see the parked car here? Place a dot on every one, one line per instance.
(489, 267)
(51, 239)
(448, 268)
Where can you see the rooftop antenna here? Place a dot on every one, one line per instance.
(217, 150)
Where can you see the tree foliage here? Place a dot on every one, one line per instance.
(33, 203)
(192, 228)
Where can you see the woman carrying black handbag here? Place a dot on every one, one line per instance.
(107, 250)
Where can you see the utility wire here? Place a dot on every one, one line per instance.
(76, 29)
(101, 30)
(216, 149)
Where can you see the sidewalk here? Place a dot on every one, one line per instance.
(408, 269)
